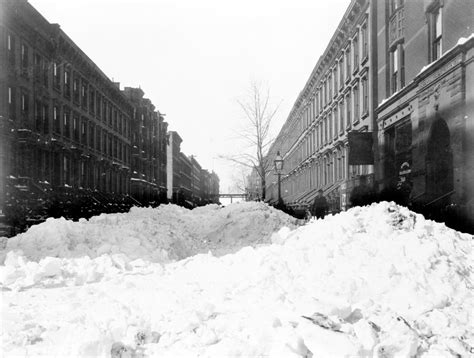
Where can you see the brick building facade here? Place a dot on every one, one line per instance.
(65, 125)
(71, 142)
(336, 99)
(188, 184)
(148, 149)
(403, 71)
(425, 117)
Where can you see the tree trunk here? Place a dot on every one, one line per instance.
(262, 181)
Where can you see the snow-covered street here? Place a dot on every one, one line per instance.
(239, 281)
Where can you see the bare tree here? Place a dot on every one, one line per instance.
(259, 114)
(239, 179)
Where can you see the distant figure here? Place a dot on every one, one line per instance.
(320, 205)
(403, 190)
(362, 194)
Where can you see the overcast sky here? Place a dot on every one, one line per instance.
(194, 58)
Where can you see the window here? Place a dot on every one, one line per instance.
(335, 80)
(84, 96)
(355, 44)
(99, 106)
(37, 60)
(340, 165)
(67, 83)
(56, 125)
(402, 66)
(66, 123)
(326, 170)
(330, 126)
(11, 49)
(325, 93)
(348, 62)
(24, 103)
(365, 96)
(320, 99)
(91, 101)
(91, 136)
(356, 104)
(24, 59)
(341, 72)
(365, 40)
(56, 76)
(104, 143)
(115, 119)
(436, 32)
(45, 115)
(348, 110)
(324, 129)
(318, 141)
(75, 127)
(98, 137)
(109, 114)
(341, 117)
(75, 89)
(104, 110)
(321, 134)
(316, 103)
(394, 68)
(330, 86)
(335, 121)
(395, 5)
(66, 163)
(45, 70)
(38, 117)
(82, 173)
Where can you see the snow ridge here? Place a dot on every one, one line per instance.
(378, 281)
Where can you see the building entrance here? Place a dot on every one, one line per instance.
(439, 161)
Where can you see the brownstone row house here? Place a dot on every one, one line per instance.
(148, 149)
(188, 184)
(71, 142)
(401, 72)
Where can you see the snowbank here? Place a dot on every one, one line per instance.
(166, 233)
(378, 281)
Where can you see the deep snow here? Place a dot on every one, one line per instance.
(378, 281)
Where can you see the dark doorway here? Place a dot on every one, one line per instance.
(439, 161)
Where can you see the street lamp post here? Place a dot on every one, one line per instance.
(278, 168)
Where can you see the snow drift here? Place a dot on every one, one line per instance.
(378, 281)
(166, 233)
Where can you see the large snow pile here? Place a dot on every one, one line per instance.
(166, 233)
(378, 281)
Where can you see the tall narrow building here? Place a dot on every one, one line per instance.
(426, 104)
(337, 99)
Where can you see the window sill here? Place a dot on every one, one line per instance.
(364, 60)
(365, 114)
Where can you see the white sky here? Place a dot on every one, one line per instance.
(194, 58)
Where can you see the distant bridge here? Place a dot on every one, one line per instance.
(232, 196)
